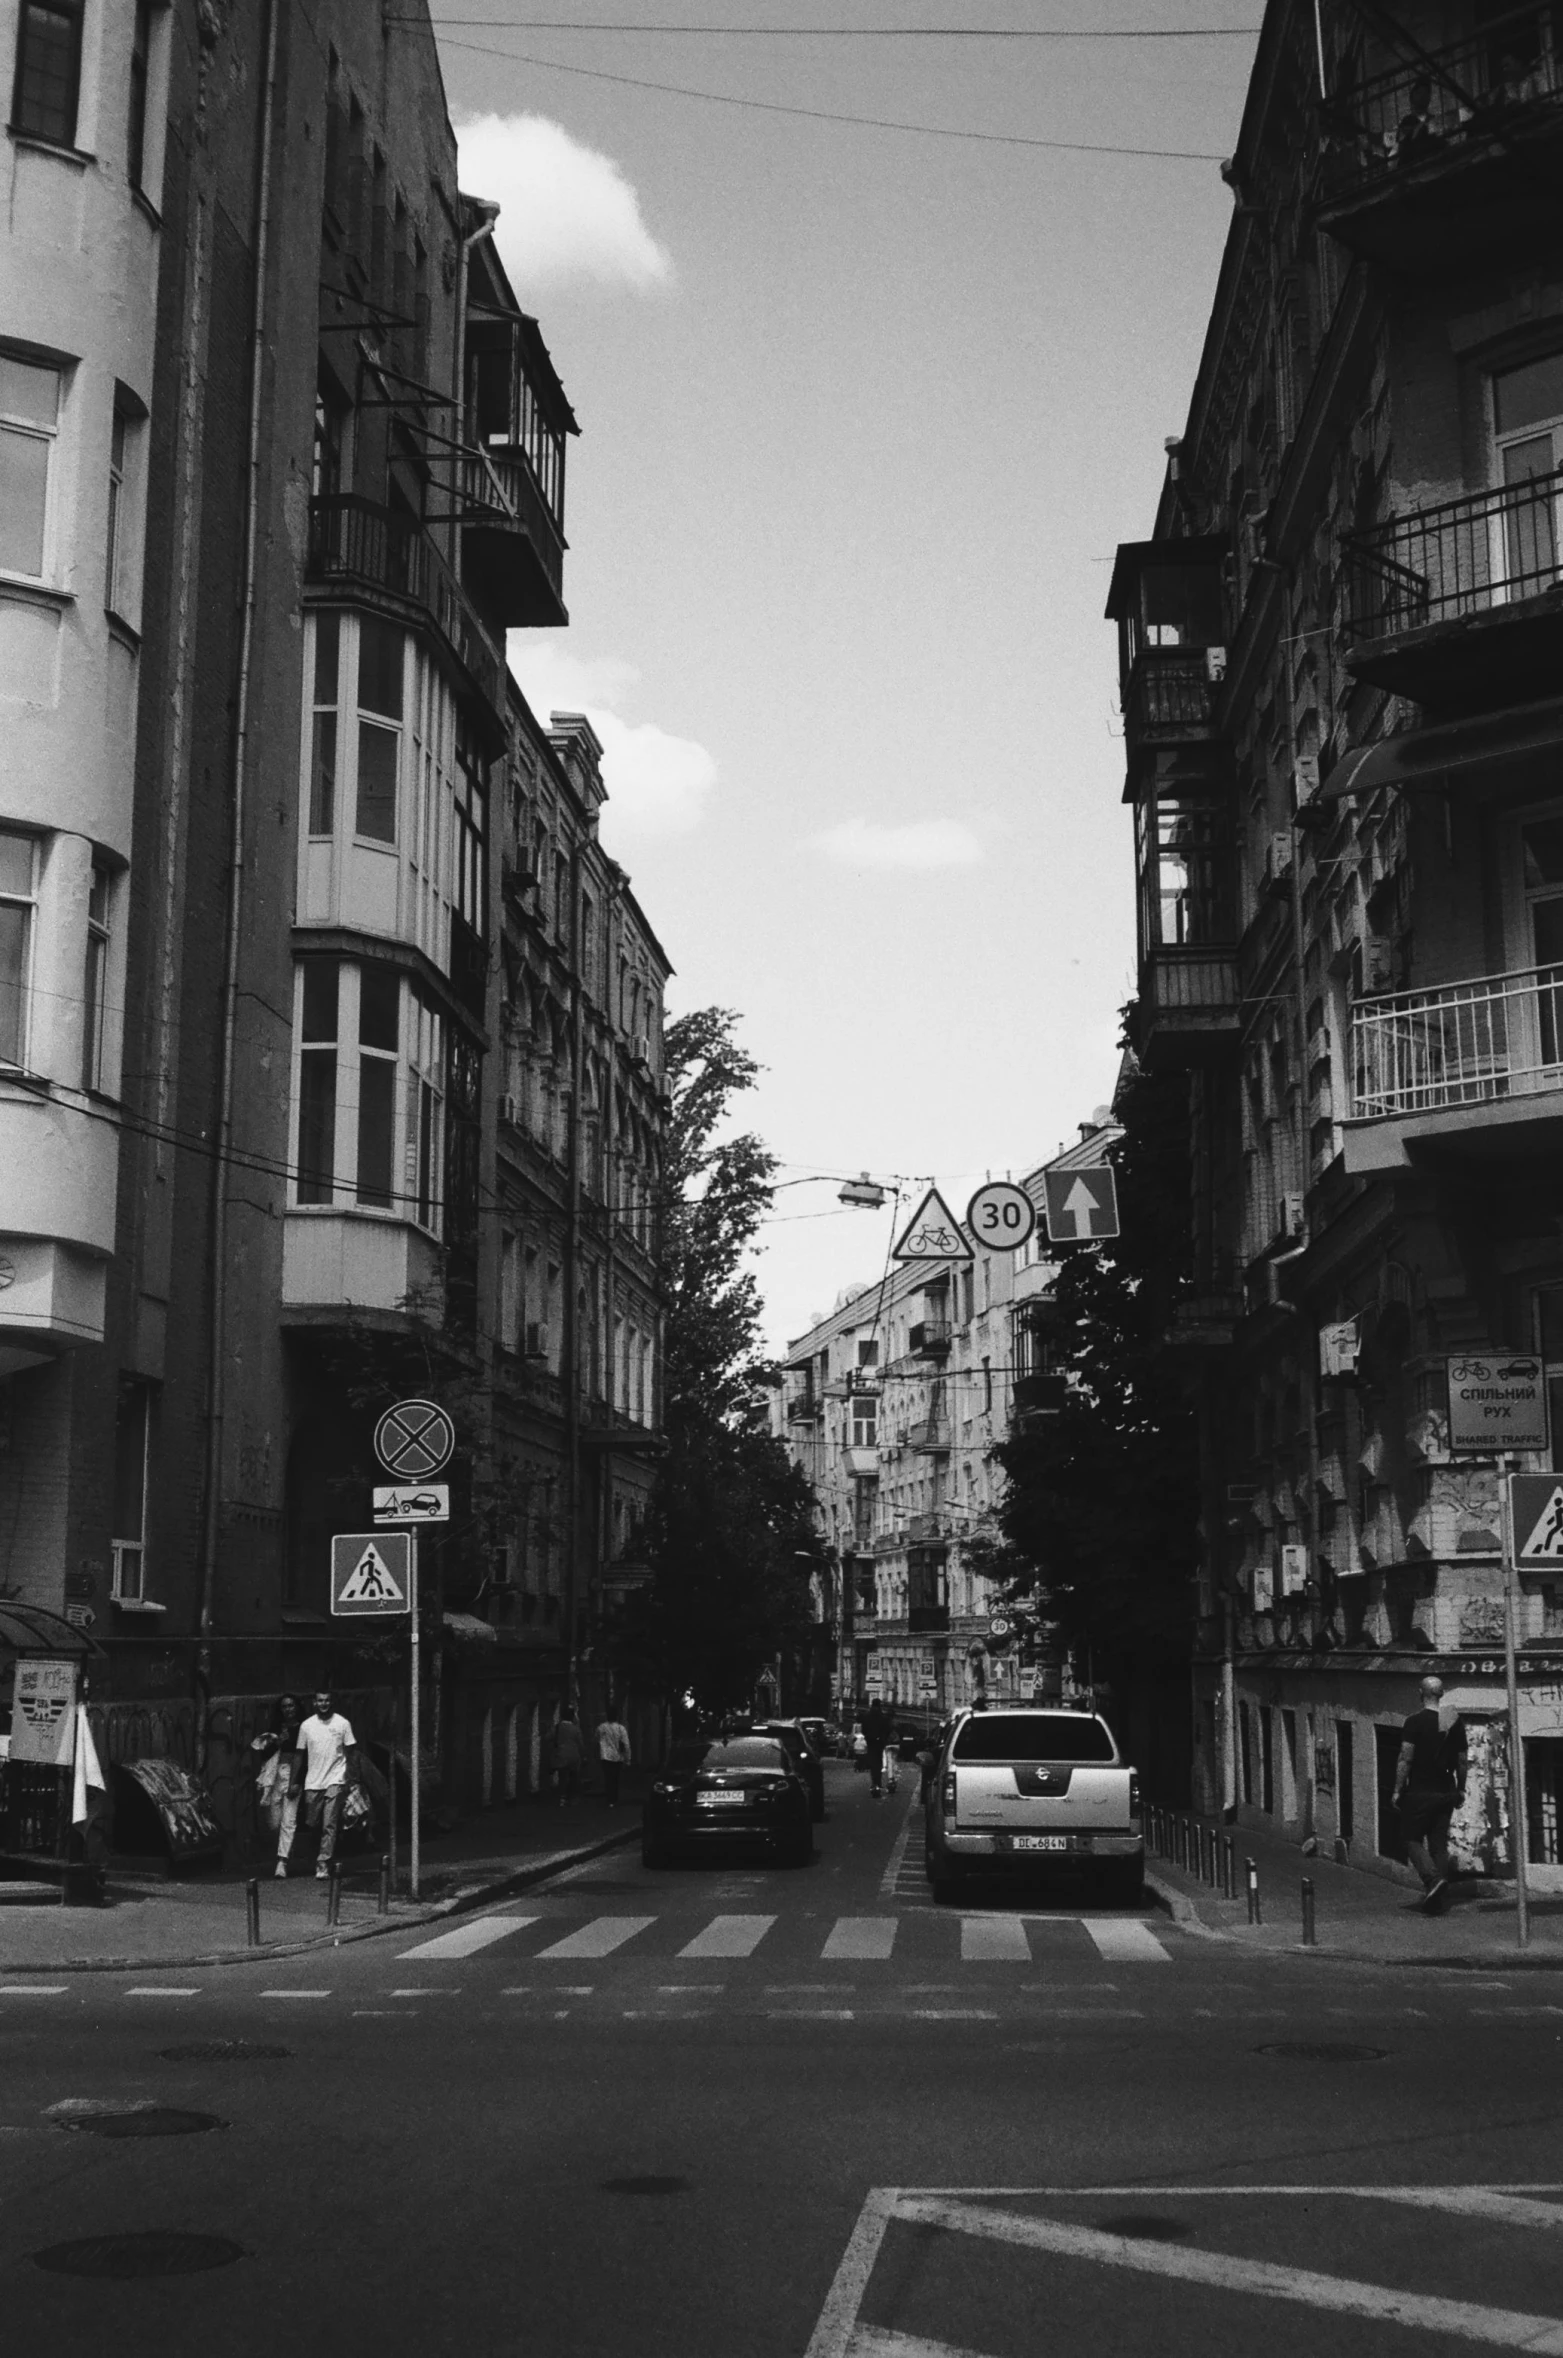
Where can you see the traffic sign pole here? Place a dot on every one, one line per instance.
(417, 1727)
(1519, 1830)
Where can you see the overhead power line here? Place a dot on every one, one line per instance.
(815, 114)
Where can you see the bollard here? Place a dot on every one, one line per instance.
(252, 1912)
(1254, 1916)
(1231, 1866)
(333, 1894)
(385, 1884)
(1310, 1939)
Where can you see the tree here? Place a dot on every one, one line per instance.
(1099, 1524)
(731, 1527)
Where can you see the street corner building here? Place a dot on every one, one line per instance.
(1339, 654)
(330, 1036)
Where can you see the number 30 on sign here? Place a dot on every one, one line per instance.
(1001, 1216)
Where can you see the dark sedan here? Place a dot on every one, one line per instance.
(805, 1757)
(725, 1791)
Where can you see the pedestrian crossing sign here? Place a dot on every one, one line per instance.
(1536, 1518)
(371, 1572)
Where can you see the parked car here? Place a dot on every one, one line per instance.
(821, 1734)
(727, 1791)
(1034, 1793)
(805, 1759)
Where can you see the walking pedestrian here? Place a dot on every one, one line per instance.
(569, 1755)
(1429, 1785)
(275, 1798)
(876, 1728)
(613, 1752)
(325, 1764)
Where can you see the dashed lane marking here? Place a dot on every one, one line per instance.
(32, 1989)
(298, 1993)
(467, 1939)
(162, 1989)
(892, 1873)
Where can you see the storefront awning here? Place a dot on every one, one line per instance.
(33, 1629)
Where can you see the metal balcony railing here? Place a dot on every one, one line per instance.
(1465, 556)
(1466, 1043)
(1442, 104)
(1170, 690)
(803, 1409)
(931, 1435)
(931, 1336)
(356, 541)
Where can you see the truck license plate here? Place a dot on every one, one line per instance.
(720, 1800)
(1040, 1841)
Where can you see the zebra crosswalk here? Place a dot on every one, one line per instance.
(997, 1939)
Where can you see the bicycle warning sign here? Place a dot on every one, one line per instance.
(932, 1234)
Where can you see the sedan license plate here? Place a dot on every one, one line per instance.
(720, 1800)
(1040, 1841)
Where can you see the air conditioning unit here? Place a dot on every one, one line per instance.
(510, 1109)
(536, 1339)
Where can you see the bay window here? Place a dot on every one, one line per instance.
(370, 1050)
(380, 658)
(95, 979)
(356, 710)
(18, 917)
(29, 433)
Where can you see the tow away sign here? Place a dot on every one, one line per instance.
(412, 1502)
(371, 1572)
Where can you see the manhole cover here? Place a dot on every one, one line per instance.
(145, 2120)
(1322, 2051)
(1147, 2226)
(645, 2186)
(224, 2051)
(125, 2256)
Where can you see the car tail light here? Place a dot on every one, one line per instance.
(1134, 1793)
(949, 1788)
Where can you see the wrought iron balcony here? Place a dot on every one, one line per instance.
(927, 1620)
(1170, 697)
(931, 1436)
(1435, 159)
(930, 1339)
(1457, 1065)
(358, 544)
(1188, 1005)
(1038, 1395)
(803, 1409)
(1462, 602)
(512, 550)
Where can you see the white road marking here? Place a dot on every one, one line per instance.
(861, 1936)
(1506, 2328)
(162, 1990)
(887, 1882)
(994, 1940)
(296, 1993)
(556, 1989)
(810, 2014)
(1122, 1941)
(467, 1939)
(383, 2013)
(872, 2341)
(666, 2013)
(690, 1989)
(599, 1938)
(832, 2336)
(32, 1989)
(450, 1990)
(1511, 2013)
(729, 1936)
(1092, 2013)
(954, 2014)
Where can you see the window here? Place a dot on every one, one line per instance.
(136, 127)
(48, 70)
(322, 751)
(18, 902)
(29, 425)
(1527, 416)
(327, 465)
(132, 1435)
(510, 1291)
(425, 1112)
(471, 814)
(95, 979)
(865, 1420)
(379, 1044)
(317, 1080)
(114, 542)
(379, 728)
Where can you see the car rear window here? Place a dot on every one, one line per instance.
(1033, 1735)
(738, 1752)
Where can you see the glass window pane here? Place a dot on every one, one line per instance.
(47, 67)
(92, 1011)
(376, 1109)
(1549, 1303)
(1542, 842)
(24, 491)
(14, 925)
(29, 390)
(1525, 396)
(320, 995)
(316, 1125)
(16, 861)
(328, 633)
(322, 775)
(377, 758)
(380, 667)
(379, 1007)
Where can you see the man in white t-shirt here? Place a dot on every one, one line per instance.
(613, 1754)
(324, 1765)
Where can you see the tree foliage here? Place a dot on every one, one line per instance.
(731, 1525)
(1098, 1526)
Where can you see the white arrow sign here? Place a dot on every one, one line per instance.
(1081, 1203)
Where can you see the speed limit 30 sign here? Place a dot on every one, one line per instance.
(1001, 1216)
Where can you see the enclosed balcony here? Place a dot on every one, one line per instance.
(512, 548)
(930, 1338)
(1166, 599)
(1440, 157)
(357, 545)
(1187, 1009)
(1464, 1070)
(518, 420)
(931, 1436)
(1460, 605)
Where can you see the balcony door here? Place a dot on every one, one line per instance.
(1528, 451)
(1531, 1019)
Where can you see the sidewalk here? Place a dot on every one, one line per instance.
(1359, 1917)
(198, 1918)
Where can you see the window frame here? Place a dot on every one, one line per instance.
(124, 1545)
(95, 976)
(33, 430)
(74, 13)
(29, 902)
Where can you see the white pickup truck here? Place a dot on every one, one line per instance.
(1029, 1792)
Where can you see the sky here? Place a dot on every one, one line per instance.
(864, 414)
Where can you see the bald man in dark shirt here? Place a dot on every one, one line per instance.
(1429, 1786)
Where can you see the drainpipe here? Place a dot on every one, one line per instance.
(572, 1263)
(216, 1397)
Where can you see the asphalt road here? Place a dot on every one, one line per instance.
(743, 2112)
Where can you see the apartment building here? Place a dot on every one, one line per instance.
(281, 460)
(1341, 735)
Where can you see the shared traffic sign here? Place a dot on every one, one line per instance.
(371, 1572)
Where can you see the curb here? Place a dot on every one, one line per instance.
(472, 1895)
(1185, 1913)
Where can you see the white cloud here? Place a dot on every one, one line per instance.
(916, 843)
(567, 214)
(657, 783)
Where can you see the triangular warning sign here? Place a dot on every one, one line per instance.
(371, 1582)
(1545, 1544)
(933, 1233)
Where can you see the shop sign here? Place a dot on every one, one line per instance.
(43, 1713)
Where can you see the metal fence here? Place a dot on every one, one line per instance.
(1441, 104)
(1465, 556)
(1465, 1043)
